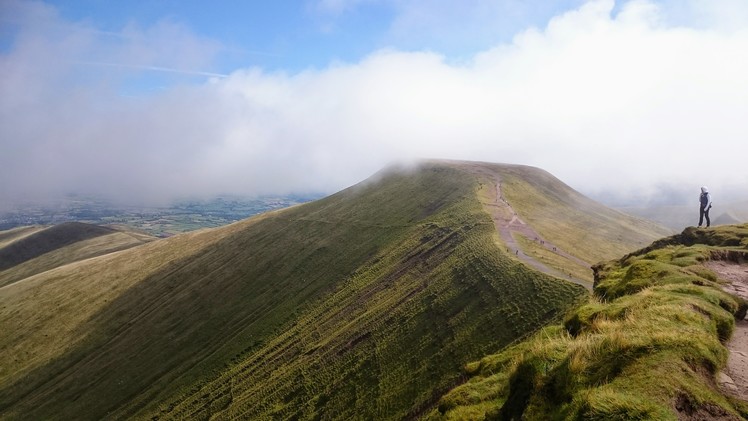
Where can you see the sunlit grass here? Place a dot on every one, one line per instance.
(554, 260)
(364, 304)
(648, 345)
(576, 224)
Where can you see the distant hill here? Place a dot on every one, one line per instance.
(48, 240)
(727, 218)
(27, 251)
(680, 217)
(364, 304)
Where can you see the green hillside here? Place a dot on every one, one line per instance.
(27, 251)
(363, 304)
(553, 225)
(649, 345)
(48, 240)
(587, 229)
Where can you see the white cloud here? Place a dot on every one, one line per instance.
(623, 101)
(336, 7)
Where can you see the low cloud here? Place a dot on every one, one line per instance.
(609, 99)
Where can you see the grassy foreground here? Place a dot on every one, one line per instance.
(648, 345)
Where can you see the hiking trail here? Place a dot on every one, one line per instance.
(734, 379)
(509, 225)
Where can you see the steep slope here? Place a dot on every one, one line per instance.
(588, 229)
(364, 303)
(15, 234)
(650, 345)
(28, 251)
(48, 240)
(550, 226)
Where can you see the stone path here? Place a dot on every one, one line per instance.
(734, 379)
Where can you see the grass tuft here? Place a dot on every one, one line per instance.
(647, 345)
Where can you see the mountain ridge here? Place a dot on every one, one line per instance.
(409, 257)
(25, 252)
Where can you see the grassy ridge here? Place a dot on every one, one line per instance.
(393, 335)
(15, 234)
(648, 346)
(364, 304)
(586, 229)
(49, 248)
(115, 336)
(50, 320)
(45, 241)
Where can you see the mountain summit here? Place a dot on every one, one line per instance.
(364, 304)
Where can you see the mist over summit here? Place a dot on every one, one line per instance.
(615, 98)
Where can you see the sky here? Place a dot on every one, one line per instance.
(631, 102)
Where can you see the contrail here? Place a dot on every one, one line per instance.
(152, 68)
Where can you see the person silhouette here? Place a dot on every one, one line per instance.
(705, 203)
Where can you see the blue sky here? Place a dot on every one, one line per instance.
(156, 100)
(294, 35)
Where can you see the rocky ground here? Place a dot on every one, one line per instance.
(734, 380)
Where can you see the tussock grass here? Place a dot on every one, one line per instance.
(648, 345)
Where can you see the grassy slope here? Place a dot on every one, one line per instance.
(48, 240)
(15, 234)
(321, 302)
(577, 224)
(648, 346)
(29, 251)
(50, 320)
(393, 335)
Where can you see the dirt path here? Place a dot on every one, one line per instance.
(734, 380)
(509, 225)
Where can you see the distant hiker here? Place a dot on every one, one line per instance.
(705, 202)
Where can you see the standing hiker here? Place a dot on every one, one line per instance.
(705, 202)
